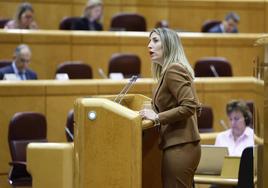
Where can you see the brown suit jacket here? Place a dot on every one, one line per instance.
(176, 103)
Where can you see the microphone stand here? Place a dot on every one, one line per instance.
(212, 68)
(124, 91)
(102, 74)
(69, 133)
(222, 123)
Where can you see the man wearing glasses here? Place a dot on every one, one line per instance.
(228, 25)
(20, 64)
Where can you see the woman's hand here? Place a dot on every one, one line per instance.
(148, 114)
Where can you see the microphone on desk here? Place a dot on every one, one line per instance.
(124, 91)
(69, 133)
(223, 124)
(102, 74)
(212, 68)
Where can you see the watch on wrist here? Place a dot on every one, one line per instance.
(156, 121)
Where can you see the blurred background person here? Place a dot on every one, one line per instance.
(20, 64)
(162, 23)
(91, 18)
(228, 25)
(240, 134)
(24, 18)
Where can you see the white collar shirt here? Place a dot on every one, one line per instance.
(235, 147)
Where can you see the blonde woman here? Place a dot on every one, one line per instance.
(174, 109)
(91, 18)
(24, 18)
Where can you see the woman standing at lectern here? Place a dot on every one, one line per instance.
(174, 109)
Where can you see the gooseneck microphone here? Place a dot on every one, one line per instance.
(223, 124)
(69, 133)
(212, 68)
(124, 91)
(102, 74)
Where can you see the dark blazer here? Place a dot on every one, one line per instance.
(176, 103)
(217, 29)
(30, 75)
(83, 24)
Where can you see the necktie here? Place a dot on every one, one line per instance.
(21, 75)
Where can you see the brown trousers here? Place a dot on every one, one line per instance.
(179, 163)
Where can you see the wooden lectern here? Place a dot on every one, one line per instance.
(113, 147)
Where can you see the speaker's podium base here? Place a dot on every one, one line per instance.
(113, 147)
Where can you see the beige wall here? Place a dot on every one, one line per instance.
(50, 48)
(185, 15)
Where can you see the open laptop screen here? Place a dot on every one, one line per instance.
(211, 159)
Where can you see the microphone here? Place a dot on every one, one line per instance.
(102, 74)
(223, 124)
(69, 133)
(124, 91)
(212, 68)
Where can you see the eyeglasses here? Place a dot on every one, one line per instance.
(236, 119)
(22, 60)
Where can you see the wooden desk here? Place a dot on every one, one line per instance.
(191, 13)
(50, 48)
(55, 98)
(218, 180)
(263, 41)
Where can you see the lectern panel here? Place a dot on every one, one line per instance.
(107, 148)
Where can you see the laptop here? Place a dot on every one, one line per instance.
(211, 161)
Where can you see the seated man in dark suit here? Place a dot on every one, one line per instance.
(20, 64)
(91, 18)
(228, 25)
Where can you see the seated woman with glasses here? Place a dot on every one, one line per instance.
(240, 134)
(24, 18)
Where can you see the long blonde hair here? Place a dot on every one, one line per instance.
(172, 51)
(90, 5)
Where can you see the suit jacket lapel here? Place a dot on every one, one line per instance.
(160, 82)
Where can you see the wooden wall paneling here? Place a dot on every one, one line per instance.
(49, 15)
(197, 49)
(9, 42)
(265, 132)
(3, 181)
(78, 9)
(8, 9)
(154, 14)
(48, 51)
(48, 57)
(108, 12)
(95, 51)
(138, 45)
(259, 110)
(265, 16)
(145, 87)
(188, 16)
(94, 56)
(17, 99)
(56, 105)
(244, 56)
(199, 87)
